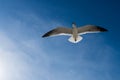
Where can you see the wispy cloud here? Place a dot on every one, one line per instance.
(21, 58)
(25, 56)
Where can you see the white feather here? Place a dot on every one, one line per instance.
(71, 39)
(61, 34)
(89, 32)
(65, 34)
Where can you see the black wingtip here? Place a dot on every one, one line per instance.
(45, 35)
(48, 34)
(102, 29)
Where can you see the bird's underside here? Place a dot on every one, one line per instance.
(74, 32)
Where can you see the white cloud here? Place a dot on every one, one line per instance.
(17, 64)
(22, 56)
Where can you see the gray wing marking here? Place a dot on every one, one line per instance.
(90, 29)
(58, 31)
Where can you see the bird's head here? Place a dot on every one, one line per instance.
(73, 24)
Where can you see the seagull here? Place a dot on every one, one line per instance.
(74, 32)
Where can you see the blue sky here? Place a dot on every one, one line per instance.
(25, 55)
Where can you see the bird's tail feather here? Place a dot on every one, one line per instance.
(71, 39)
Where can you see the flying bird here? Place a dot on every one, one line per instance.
(75, 32)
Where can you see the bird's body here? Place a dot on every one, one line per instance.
(75, 32)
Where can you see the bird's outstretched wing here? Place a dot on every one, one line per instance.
(90, 29)
(58, 31)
